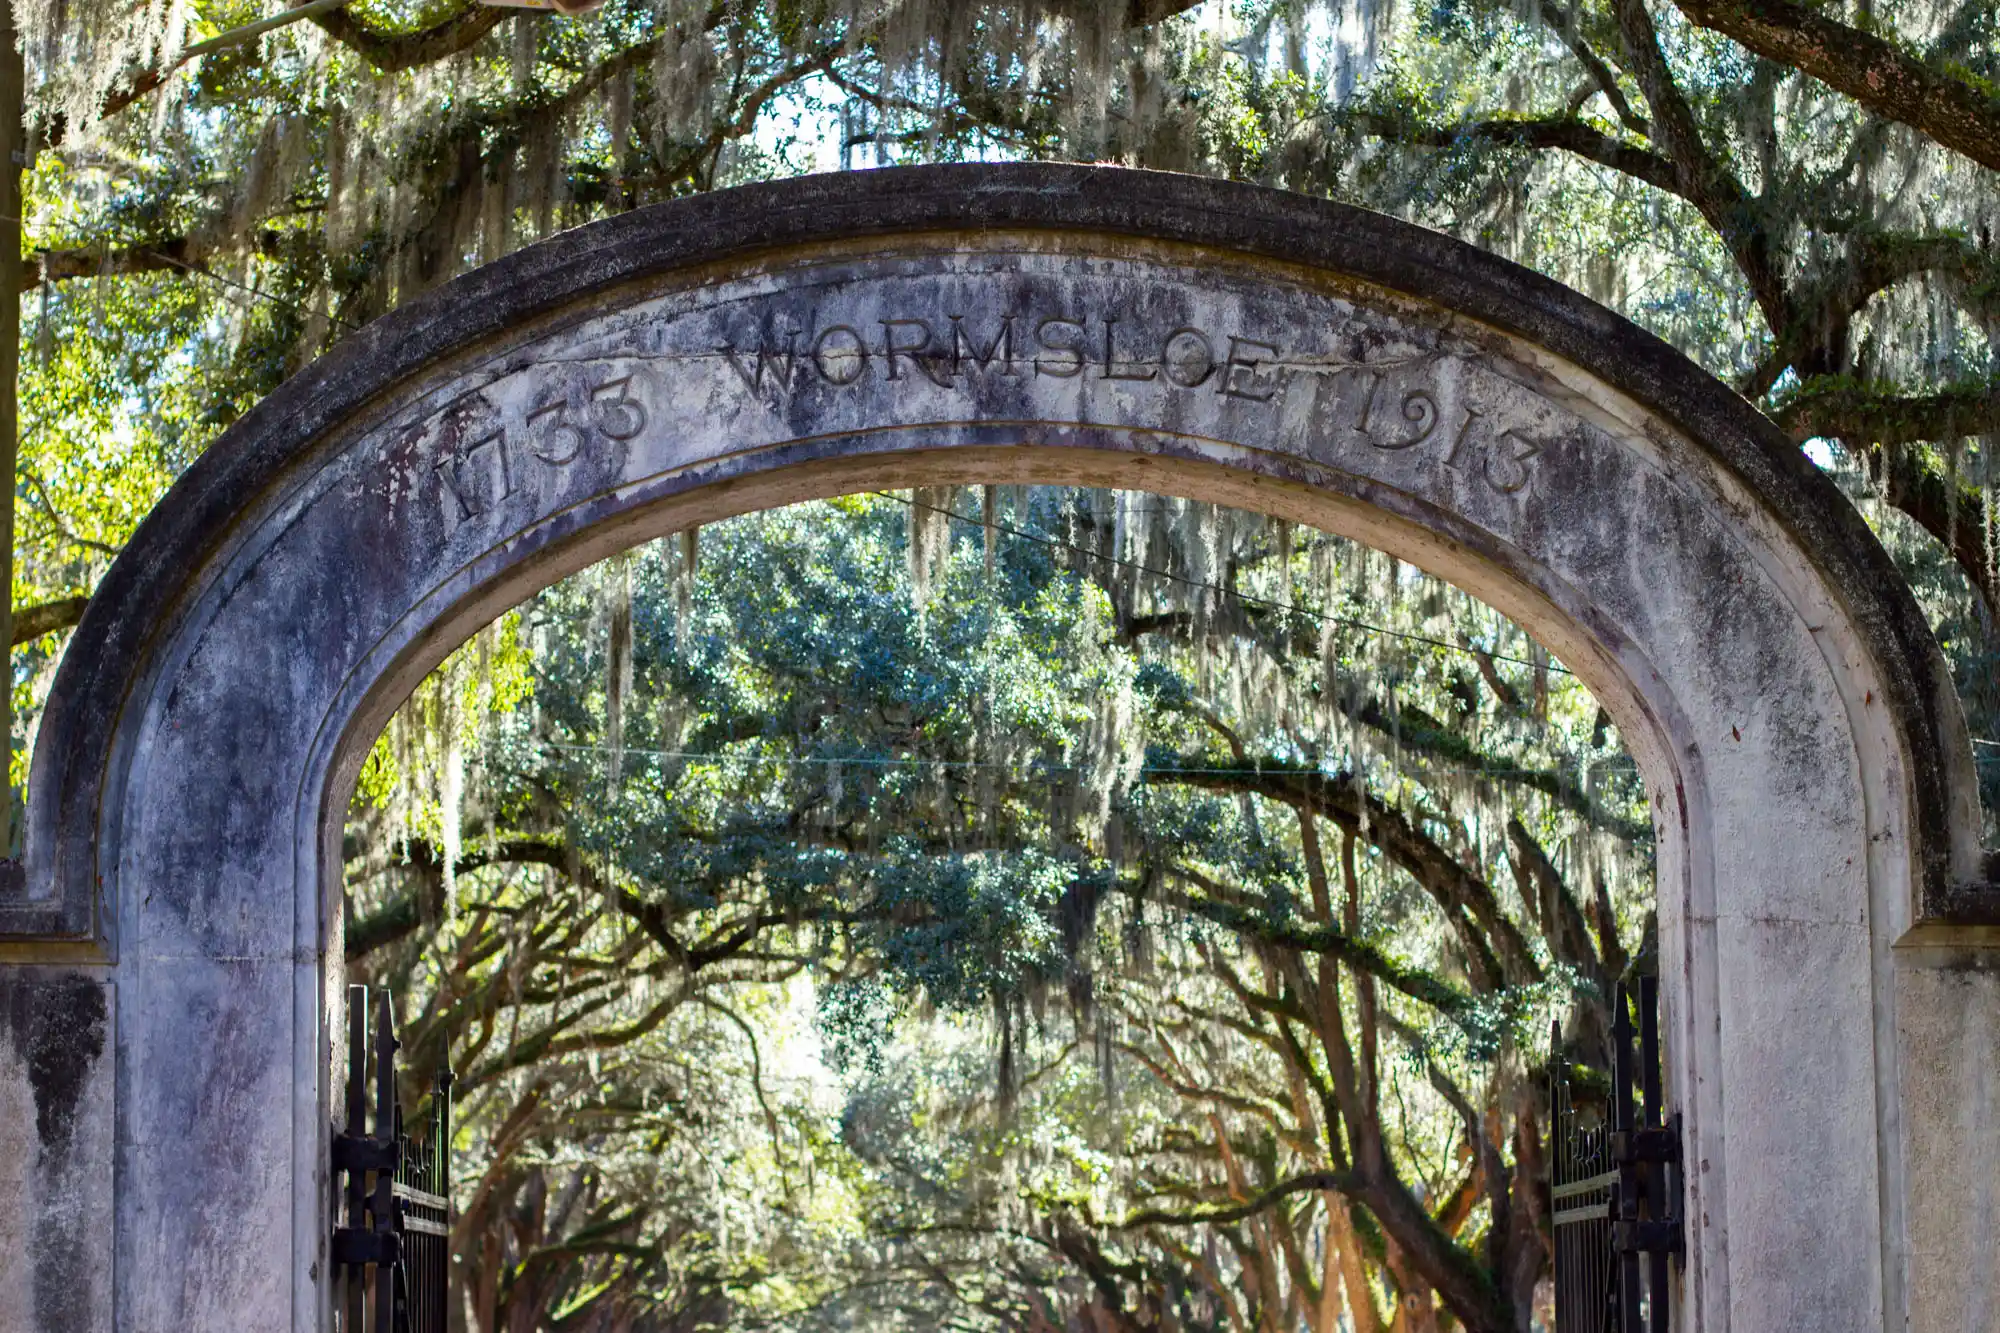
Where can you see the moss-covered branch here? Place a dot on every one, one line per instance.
(1568, 134)
(1949, 103)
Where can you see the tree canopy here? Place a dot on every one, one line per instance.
(972, 909)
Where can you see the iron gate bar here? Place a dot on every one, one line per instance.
(1625, 1200)
(354, 1281)
(421, 1197)
(1600, 1181)
(1664, 1233)
(388, 1132)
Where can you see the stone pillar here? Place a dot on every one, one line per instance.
(57, 1086)
(1948, 1030)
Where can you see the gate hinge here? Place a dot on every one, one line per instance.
(354, 1246)
(361, 1152)
(1657, 1144)
(1648, 1162)
(1629, 1237)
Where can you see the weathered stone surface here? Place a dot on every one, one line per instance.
(1810, 774)
(1950, 1008)
(56, 1083)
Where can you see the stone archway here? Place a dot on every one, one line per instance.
(1810, 775)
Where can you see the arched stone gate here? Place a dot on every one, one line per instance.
(170, 986)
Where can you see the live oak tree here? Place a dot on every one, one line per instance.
(1257, 861)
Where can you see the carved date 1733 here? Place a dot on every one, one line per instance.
(1391, 406)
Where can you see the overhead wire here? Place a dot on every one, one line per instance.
(215, 277)
(1346, 622)
(911, 761)
(293, 306)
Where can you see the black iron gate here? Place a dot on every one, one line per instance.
(392, 1237)
(1615, 1180)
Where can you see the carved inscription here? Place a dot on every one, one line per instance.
(1062, 347)
(484, 452)
(480, 458)
(1380, 405)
